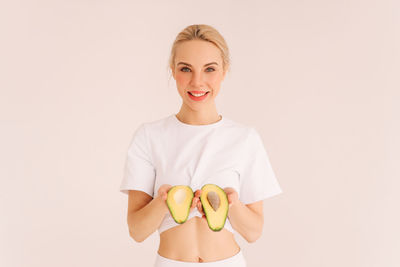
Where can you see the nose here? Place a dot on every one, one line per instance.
(197, 80)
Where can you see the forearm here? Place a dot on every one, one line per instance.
(145, 221)
(245, 221)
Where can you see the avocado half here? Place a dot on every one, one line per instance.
(179, 200)
(215, 206)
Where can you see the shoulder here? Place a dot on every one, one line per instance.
(238, 128)
(250, 132)
(246, 134)
(142, 131)
(154, 126)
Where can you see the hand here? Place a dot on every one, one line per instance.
(163, 194)
(233, 196)
(163, 191)
(196, 203)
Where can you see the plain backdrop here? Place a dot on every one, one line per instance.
(318, 79)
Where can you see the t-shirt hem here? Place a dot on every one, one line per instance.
(125, 190)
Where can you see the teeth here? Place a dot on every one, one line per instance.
(197, 95)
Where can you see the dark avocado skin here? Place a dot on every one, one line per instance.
(171, 209)
(206, 213)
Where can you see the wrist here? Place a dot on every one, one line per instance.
(234, 206)
(162, 203)
(235, 202)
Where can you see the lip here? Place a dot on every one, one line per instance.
(198, 98)
(198, 92)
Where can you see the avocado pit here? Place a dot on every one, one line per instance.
(214, 200)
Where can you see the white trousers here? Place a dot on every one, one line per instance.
(237, 260)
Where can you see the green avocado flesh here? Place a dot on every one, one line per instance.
(215, 206)
(179, 200)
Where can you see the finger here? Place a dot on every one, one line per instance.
(163, 188)
(168, 187)
(200, 208)
(194, 202)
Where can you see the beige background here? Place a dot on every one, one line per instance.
(318, 79)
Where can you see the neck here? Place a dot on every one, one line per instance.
(198, 117)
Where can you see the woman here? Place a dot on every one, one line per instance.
(194, 147)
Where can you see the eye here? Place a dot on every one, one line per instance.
(184, 68)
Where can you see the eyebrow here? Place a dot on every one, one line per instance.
(187, 64)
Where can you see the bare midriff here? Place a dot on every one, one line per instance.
(193, 241)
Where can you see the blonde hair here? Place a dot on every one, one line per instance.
(201, 32)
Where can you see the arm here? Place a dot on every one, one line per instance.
(145, 213)
(246, 219)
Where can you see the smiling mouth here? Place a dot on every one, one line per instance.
(195, 96)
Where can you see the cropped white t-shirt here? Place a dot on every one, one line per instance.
(225, 153)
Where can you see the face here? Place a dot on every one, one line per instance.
(198, 67)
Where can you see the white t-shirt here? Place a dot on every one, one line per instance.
(225, 153)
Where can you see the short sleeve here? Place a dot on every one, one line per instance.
(257, 178)
(139, 171)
